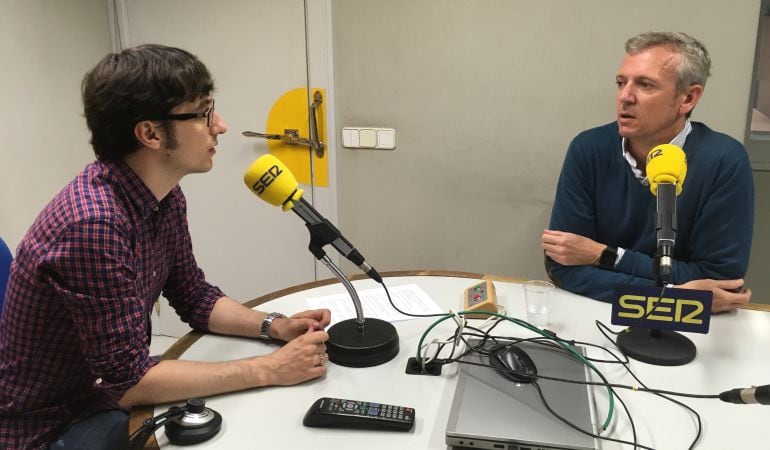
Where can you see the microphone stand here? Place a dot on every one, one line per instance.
(654, 346)
(359, 342)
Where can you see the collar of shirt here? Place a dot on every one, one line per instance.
(132, 187)
(678, 140)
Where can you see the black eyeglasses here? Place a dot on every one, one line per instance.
(208, 114)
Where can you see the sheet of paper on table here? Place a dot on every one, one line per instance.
(409, 298)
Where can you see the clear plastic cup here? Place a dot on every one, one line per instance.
(537, 295)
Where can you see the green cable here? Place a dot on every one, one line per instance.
(540, 332)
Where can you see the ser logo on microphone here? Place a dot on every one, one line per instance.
(654, 154)
(266, 179)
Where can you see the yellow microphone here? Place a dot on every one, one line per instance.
(666, 171)
(269, 179)
(666, 163)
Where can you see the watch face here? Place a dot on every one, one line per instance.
(607, 260)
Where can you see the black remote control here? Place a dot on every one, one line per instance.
(340, 413)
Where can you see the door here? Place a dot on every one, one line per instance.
(256, 51)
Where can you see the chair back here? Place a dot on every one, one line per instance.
(5, 267)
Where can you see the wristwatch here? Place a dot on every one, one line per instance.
(264, 332)
(608, 257)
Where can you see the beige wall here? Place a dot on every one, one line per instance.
(46, 46)
(485, 95)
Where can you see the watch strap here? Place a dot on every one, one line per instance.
(264, 331)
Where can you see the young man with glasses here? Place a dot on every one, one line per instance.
(75, 332)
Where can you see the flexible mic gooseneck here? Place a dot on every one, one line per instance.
(359, 342)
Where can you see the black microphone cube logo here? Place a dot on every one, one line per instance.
(266, 179)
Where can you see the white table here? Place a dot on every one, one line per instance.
(733, 354)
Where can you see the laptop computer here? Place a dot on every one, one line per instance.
(489, 411)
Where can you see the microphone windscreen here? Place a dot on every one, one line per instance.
(269, 179)
(666, 163)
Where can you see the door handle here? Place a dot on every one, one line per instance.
(290, 136)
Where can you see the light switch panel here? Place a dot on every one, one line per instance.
(369, 137)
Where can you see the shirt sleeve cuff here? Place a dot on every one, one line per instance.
(619, 256)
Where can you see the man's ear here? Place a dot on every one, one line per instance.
(691, 97)
(148, 134)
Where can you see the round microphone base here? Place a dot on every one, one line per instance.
(351, 347)
(659, 347)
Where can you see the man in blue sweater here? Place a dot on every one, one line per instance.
(602, 230)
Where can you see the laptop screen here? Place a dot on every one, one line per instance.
(489, 411)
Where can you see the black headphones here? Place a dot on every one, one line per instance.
(185, 425)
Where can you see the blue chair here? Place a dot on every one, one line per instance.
(5, 267)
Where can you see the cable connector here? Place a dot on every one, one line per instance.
(754, 394)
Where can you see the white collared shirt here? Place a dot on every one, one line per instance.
(678, 140)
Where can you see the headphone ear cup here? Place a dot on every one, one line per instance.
(189, 430)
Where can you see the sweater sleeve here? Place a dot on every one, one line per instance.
(574, 211)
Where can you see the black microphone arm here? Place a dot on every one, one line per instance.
(665, 229)
(755, 394)
(323, 232)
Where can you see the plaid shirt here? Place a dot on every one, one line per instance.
(75, 330)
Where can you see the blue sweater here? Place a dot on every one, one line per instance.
(599, 197)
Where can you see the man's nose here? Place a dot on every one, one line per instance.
(626, 94)
(219, 126)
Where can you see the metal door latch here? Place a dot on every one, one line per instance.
(290, 136)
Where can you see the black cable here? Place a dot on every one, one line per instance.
(605, 383)
(660, 297)
(622, 402)
(628, 414)
(540, 340)
(577, 428)
(404, 312)
(601, 326)
(137, 440)
(699, 426)
(659, 392)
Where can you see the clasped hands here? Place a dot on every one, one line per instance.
(304, 356)
(569, 249)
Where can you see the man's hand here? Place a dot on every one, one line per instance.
(570, 249)
(289, 328)
(724, 299)
(301, 359)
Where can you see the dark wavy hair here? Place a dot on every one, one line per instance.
(134, 85)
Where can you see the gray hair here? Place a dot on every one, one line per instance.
(695, 65)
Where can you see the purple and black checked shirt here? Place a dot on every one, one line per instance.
(75, 331)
